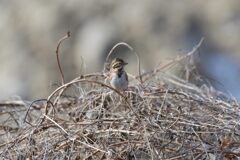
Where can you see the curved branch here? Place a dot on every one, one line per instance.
(131, 49)
(57, 54)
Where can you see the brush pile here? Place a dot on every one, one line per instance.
(159, 117)
(162, 118)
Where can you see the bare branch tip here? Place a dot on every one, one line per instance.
(68, 34)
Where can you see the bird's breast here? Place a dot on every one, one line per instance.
(119, 82)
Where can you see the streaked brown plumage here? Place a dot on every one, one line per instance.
(118, 78)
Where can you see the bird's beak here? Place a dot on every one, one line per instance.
(125, 63)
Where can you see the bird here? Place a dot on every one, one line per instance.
(118, 76)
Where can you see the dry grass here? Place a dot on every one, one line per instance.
(164, 117)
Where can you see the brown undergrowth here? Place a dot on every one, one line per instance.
(160, 116)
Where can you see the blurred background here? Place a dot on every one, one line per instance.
(157, 30)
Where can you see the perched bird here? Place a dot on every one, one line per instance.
(118, 76)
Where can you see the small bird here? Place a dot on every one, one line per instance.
(118, 76)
